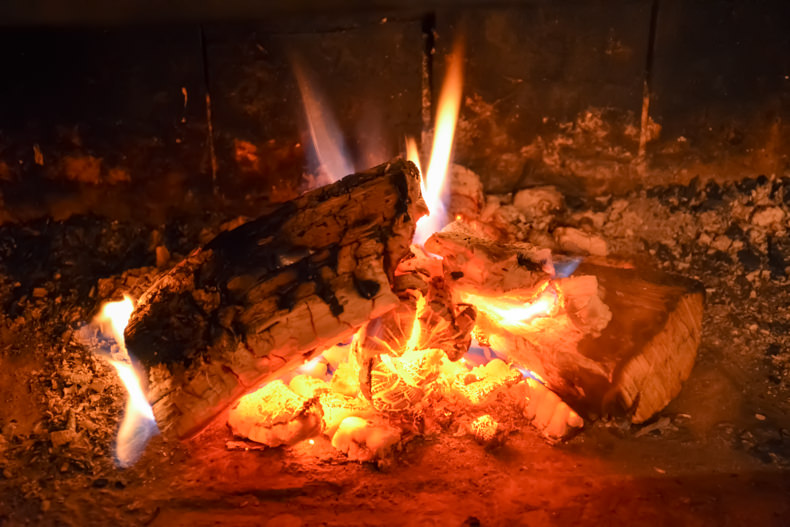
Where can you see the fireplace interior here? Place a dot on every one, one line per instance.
(395, 264)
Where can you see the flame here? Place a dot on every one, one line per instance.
(315, 367)
(413, 155)
(512, 313)
(480, 354)
(325, 134)
(116, 315)
(138, 424)
(416, 328)
(441, 151)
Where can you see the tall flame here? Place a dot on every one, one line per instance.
(138, 424)
(325, 134)
(441, 151)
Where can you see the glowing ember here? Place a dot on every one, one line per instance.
(480, 354)
(324, 132)
(315, 367)
(444, 131)
(511, 312)
(138, 424)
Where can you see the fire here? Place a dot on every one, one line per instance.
(116, 315)
(138, 424)
(347, 392)
(413, 155)
(441, 151)
(416, 328)
(514, 312)
(327, 139)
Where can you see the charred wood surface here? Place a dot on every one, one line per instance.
(265, 296)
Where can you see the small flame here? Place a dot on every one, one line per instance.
(565, 268)
(116, 315)
(441, 151)
(326, 136)
(416, 328)
(138, 424)
(511, 312)
(413, 155)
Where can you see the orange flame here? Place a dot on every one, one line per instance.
(138, 424)
(511, 313)
(326, 136)
(416, 328)
(413, 155)
(441, 151)
(116, 315)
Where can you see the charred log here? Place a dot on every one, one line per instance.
(265, 296)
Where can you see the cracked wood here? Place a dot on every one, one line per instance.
(268, 295)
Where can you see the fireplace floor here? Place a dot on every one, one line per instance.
(447, 481)
(719, 454)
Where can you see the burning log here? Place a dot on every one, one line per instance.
(264, 297)
(651, 344)
(609, 340)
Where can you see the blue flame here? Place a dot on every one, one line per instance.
(479, 355)
(566, 268)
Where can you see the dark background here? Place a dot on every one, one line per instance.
(99, 90)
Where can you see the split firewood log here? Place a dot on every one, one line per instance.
(608, 340)
(270, 294)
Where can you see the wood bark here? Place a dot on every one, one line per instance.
(618, 342)
(268, 295)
